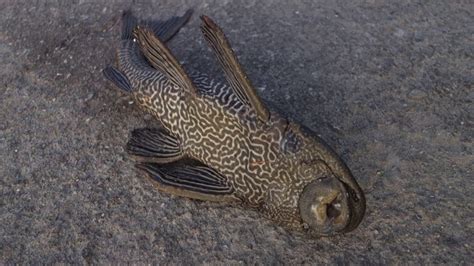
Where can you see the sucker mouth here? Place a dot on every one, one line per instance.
(328, 208)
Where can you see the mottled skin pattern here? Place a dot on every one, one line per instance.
(225, 134)
(267, 164)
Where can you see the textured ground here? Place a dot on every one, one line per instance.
(388, 84)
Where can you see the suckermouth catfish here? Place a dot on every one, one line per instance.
(220, 142)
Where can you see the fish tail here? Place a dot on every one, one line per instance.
(165, 30)
(129, 22)
(130, 60)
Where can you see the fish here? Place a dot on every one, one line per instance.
(220, 142)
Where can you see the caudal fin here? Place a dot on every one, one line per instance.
(165, 30)
(129, 22)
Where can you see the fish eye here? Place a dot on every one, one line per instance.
(290, 142)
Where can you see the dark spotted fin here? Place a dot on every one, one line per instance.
(192, 181)
(118, 78)
(154, 144)
(234, 72)
(161, 58)
(165, 30)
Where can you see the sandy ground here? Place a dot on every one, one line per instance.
(388, 84)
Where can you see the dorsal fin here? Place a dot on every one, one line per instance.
(161, 58)
(234, 73)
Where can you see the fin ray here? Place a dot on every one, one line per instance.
(233, 71)
(198, 182)
(165, 30)
(129, 22)
(153, 144)
(118, 78)
(161, 58)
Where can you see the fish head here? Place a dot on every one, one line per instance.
(330, 201)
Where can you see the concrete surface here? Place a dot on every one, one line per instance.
(388, 84)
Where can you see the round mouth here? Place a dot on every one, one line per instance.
(325, 206)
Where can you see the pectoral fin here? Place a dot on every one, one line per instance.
(161, 58)
(234, 72)
(154, 144)
(192, 181)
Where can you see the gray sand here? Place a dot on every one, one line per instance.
(389, 85)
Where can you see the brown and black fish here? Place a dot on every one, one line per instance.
(220, 142)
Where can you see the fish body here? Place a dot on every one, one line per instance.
(219, 142)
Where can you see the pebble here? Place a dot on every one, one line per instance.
(416, 94)
(399, 33)
(418, 36)
(89, 97)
